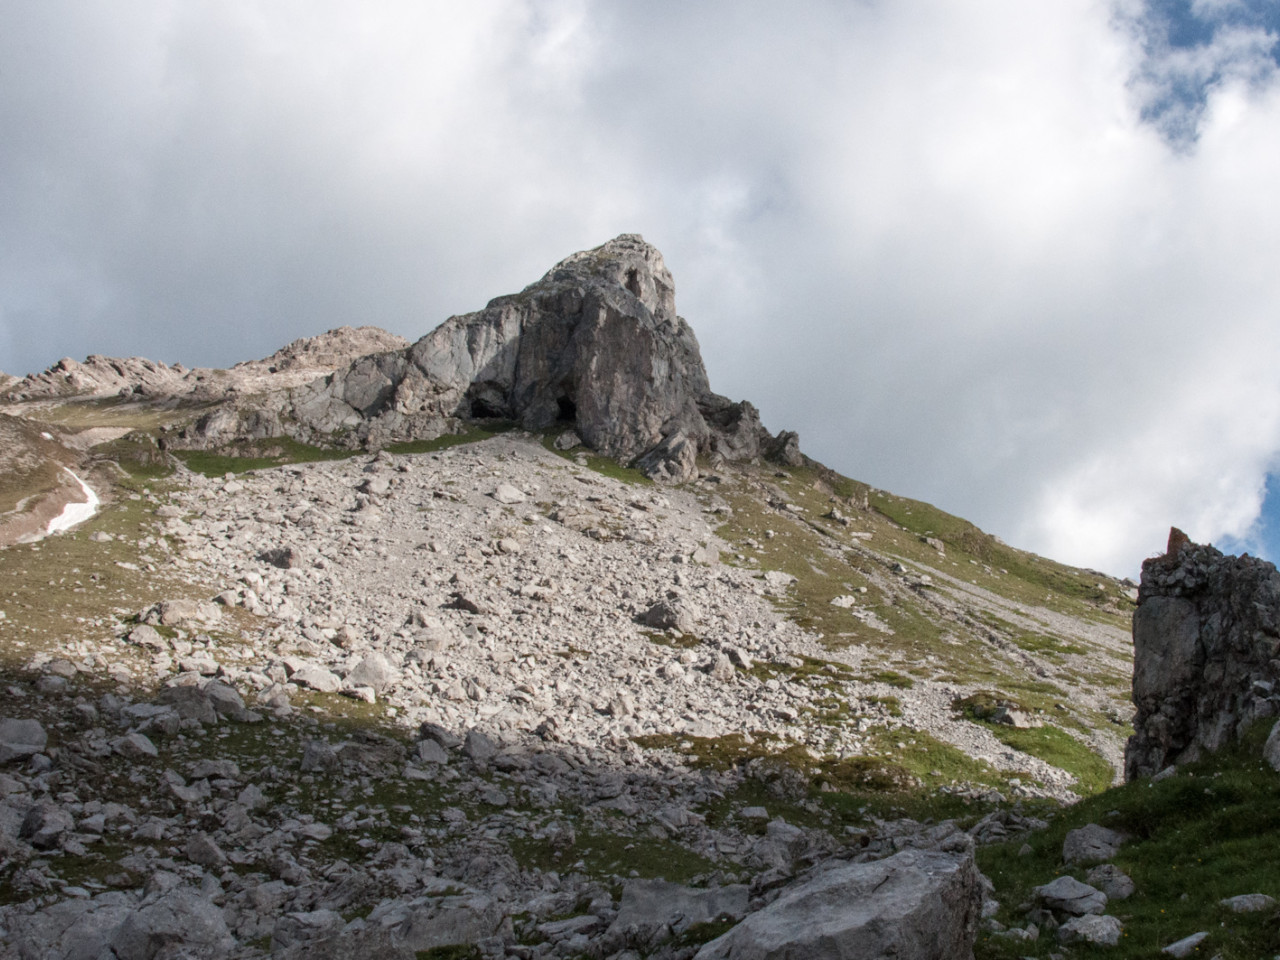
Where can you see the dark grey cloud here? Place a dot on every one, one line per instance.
(940, 240)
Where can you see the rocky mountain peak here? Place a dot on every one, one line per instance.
(626, 261)
(594, 348)
(140, 379)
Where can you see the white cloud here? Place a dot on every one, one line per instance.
(934, 237)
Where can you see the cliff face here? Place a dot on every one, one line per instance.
(595, 346)
(1206, 639)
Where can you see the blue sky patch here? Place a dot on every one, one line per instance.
(1190, 47)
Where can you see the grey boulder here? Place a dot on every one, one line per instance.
(20, 739)
(1103, 931)
(1112, 881)
(653, 910)
(180, 923)
(1271, 751)
(1091, 843)
(1069, 895)
(374, 670)
(915, 905)
(1248, 903)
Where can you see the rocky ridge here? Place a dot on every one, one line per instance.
(140, 379)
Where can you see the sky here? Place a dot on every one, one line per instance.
(1018, 260)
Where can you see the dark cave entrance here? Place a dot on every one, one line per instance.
(482, 409)
(633, 281)
(568, 412)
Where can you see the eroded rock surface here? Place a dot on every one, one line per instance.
(1206, 639)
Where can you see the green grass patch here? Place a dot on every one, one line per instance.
(1054, 647)
(257, 455)
(605, 466)
(476, 431)
(731, 750)
(1211, 832)
(891, 677)
(891, 704)
(609, 854)
(695, 935)
(1047, 742)
(457, 951)
(684, 641)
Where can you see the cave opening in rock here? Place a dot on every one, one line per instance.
(633, 281)
(481, 409)
(568, 410)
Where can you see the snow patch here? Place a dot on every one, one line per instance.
(75, 513)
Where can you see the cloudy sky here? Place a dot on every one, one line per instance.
(1021, 260)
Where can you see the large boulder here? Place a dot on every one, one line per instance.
(177, 923)
(654, 910)
(915, 905)
(21, 738)
(1206, 646)
(67, 929)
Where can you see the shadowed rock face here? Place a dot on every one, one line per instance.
(1206, 643)
(595, 346)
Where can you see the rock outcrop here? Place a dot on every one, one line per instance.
(1206, 639)
(594, 346)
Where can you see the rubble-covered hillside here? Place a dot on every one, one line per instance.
(495, 689)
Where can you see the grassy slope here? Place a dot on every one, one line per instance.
(943, 631)
(1210, 832)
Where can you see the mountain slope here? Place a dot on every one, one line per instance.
(644, 666)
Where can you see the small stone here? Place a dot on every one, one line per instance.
(1112, 881)
(1069, 895)
(317, 678)
(318, 755)
(20, 739)
(134, 745)
(1104, 931)
(1187, 945)
(429, 751)
(508, 494)
(1248, 903)
(478, 746)
(203, 851)
(45, 825)
(375, 670)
